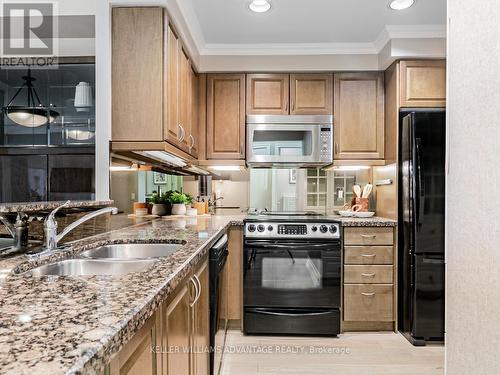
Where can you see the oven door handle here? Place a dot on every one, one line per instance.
(266, 312)
(289, 246)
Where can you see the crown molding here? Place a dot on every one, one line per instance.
(186, 20)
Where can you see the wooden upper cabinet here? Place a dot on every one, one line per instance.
(172, 130)
(193, 129)
(267, 94)
(423, 83)
(226, 116)
(137, 74)
(184, 99)
(359, 116)
(311, 94)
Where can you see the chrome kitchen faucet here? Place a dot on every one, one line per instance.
(50, 226)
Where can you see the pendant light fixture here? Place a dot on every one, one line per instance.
(34, 113)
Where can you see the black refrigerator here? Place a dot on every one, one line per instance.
(421, 243)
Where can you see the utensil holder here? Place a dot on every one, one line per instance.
(363, 202)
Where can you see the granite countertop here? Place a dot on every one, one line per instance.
(68, 325)
(46, 206)
(374, 221)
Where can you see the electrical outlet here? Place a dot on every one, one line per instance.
(132, 196)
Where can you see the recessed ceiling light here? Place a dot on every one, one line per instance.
(259, 6)
(401, 4)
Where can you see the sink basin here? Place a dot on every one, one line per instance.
(132, 251)
(92, 267)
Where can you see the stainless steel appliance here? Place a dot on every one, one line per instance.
(217, 260)
(422, 224)
(289, 141)
(292, 271)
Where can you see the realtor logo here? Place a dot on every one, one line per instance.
(28, 29)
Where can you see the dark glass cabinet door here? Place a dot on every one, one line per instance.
(23, 178)
(71, 177)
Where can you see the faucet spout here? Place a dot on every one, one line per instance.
(50, 225)
(83, 219)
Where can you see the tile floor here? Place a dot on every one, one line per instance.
(364, 354)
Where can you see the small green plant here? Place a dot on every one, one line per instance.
(189, 197)
(178, 198)
(156, 199)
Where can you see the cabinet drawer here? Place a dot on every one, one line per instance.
(368, 236)
(368, 274)
(368, 303)
(368, 255)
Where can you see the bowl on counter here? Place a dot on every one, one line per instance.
(364, 214)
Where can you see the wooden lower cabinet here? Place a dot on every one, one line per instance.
(369, 279)
(368, 302)
(139, 356)
(201, 326)
(176, 327)
(175, 340)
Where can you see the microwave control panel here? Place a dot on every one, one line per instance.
(326, 144)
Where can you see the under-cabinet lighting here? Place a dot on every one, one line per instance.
(225, 168)
(351, 168)
(259, 6)
(164, 157)
(401, 4)
(122, 168)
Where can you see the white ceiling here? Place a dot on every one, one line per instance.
(224, 22)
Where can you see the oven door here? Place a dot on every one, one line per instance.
(292, 274)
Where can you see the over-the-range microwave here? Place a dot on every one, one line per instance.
(289, 141)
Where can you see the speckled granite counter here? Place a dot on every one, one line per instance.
(68, 325)
(45, 206)
(367, 222)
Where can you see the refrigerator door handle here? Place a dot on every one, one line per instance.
(420, 194)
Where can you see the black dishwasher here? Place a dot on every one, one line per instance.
(218, 257)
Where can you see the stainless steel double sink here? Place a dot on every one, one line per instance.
(118, 259)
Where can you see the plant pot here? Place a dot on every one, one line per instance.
(178, 209)
(159, 209)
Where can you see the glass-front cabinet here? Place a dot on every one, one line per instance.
(47, 132)
(68, 90)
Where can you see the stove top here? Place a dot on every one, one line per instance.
(291, 227)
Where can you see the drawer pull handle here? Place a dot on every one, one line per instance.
(369, 235)
(368, 255)
(368, 274)
(368, 294)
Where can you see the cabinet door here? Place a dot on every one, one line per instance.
(184, 98)
(138, 357)
(193, 140)
(137, 71)
(311, 94)
(172, 129)
(359, 116)
(423, 83)
(267, 94)
(201, 334)
(226, 116)
(176, 333)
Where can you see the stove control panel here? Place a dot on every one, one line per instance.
(292, 230)
(298, 229)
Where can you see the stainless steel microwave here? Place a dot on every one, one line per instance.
(289, 141)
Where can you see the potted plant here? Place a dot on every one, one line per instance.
(179, 201)
(159, 205)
